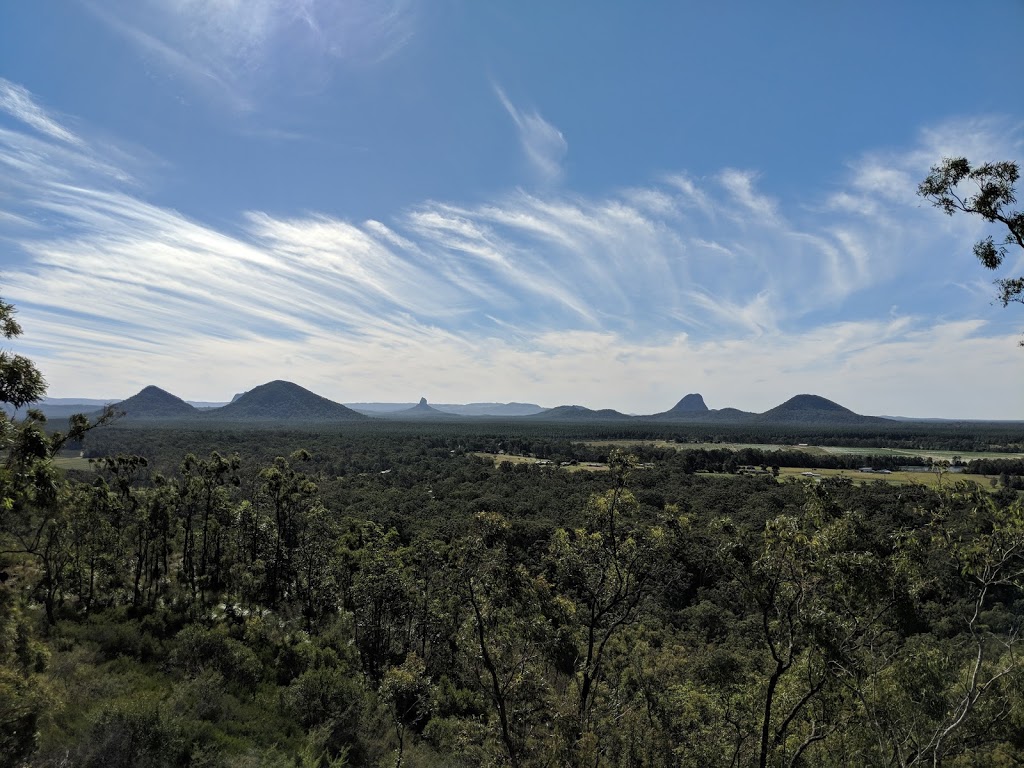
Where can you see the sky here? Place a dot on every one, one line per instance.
(608, 204)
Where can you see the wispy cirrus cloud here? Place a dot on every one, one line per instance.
(239, 51)
(49, 151)
(18, 102)
(624, 300)
(740, 184)
(543, 144)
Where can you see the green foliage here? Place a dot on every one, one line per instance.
(508, 633)
(20, 381)
(605, 575)
(140, 733)
(25, 695)
(198, 650)
(992, 198)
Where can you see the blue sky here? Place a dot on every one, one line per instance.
(608, 204)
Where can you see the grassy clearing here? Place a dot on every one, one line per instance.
(588, 466)
(706, 446)
(500, 458)
(72, 460)
(504, 458)
(927, 479)
(927, 454)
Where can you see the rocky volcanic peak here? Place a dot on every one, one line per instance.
(692, 403)
(422, 408)
(420, 411)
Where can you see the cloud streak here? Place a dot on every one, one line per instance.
(543, 145)
(624, 301)
(19, 103)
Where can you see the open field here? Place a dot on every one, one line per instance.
(927, 454)
(927, 479)
(502, 458)
(68, 460)
(708, 446)
(72, 460)
(816, 449)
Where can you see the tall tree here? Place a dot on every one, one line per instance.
(607, 573)
(22, 696)
(505, 638)
(288, 494)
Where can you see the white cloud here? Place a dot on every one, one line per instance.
(740, 185)
(543, 144)
(621, 301)
(878, 177)
(18, 102)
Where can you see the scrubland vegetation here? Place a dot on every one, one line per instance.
(382, 596)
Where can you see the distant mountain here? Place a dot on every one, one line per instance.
(693, 409)
(282, 401)
(77, 401)
(814, 409)
(491, 409)
(580, 413)
(802, 409)
(53, 412)
(729, 416)
(153, 403)
(468, 409)
(58, 408)
(692, 403)
(421, 410)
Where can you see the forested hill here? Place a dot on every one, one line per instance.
(579, 413)
(153, 403)
(281, 401)
(814, 409)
